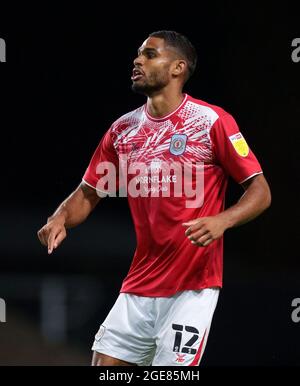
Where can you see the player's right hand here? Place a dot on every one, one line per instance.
(52, 234)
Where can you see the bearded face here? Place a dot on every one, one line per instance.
(151, 71)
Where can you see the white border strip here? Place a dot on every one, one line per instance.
(166, 116)
(252, 175)
(98, 190)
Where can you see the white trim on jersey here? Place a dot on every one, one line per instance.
(252, 175)
(99, 190)
(166, 116)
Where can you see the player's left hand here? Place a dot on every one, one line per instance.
(202, 231)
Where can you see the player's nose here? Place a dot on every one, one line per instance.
(138, 61)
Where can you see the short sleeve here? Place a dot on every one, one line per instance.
(232, 151)
(104, 161)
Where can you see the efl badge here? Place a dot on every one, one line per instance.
(178, 143)
(240, 144)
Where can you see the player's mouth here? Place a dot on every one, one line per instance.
(137, 74)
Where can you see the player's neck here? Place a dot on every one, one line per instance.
(163, 104)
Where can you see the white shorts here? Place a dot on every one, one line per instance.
(161, 331)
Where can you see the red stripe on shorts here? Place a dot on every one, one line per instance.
(198, 354)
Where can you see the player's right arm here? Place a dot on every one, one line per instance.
(70, 213)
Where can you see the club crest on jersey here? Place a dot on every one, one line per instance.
(240, 145)
(178, 144)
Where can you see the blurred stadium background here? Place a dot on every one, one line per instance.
(67, 78)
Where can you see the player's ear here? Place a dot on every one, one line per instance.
(179, 67)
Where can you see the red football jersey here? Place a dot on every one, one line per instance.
(159, 164)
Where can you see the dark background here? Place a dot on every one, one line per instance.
(67, 78)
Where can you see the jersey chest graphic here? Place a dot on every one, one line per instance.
(168, 142)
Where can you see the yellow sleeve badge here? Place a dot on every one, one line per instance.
(240, 144)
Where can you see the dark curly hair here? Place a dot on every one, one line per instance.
(182, 45)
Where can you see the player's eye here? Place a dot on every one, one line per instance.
(151, 55)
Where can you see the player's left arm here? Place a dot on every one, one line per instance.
(256, 199)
